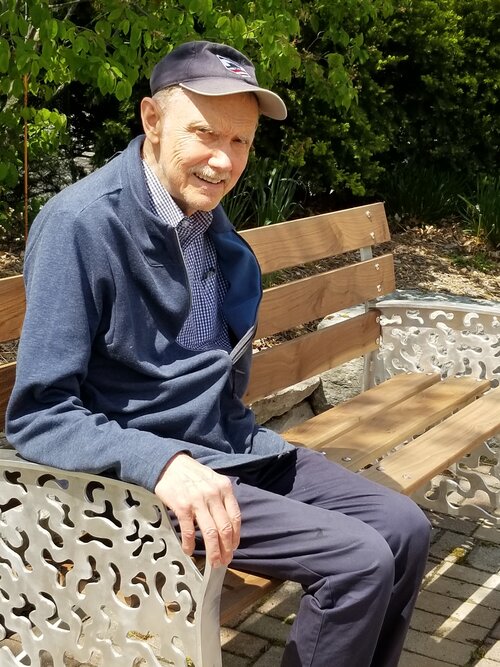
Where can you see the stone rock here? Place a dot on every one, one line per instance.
(338, 385)
(284, 400)
(296, 415)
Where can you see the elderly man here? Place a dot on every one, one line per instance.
(141, 306)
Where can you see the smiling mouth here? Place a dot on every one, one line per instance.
(210, 181)
(207, 176)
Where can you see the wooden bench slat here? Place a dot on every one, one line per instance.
(12, 306)
(432, 452)
(319, 430)
(300, 241)
(393, 426)
(308, 299)
(301, 358)
(241, 590)
(7, 377)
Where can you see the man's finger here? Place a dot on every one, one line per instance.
(188, 533)
(234, 513)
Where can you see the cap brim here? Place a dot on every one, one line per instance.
(270, 104)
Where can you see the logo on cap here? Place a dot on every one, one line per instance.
(233, 67)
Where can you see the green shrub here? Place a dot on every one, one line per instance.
(264, 195)
(481, 211)
(419, 193)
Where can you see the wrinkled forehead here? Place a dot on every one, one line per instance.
(239, 111)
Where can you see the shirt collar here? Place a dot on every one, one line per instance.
(188, 227)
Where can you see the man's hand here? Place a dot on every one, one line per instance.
(197, 494)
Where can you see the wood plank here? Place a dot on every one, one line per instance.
(300, 241)
(302, 358)
(366, 406)
(241, 590)
(432, 452)
(12, 307)
(7, 377)
(308, 299)
(367, 441)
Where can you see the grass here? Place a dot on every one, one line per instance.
(481, 211)
(479, 261)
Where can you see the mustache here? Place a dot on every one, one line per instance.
(209, 174)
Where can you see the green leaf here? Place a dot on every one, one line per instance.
(125, 26)
(103, 28)
(222, 22)
(81, 44)
(106, 79)
(22, 26)
(123, 90)
(135, 36)
(4, 55)
(115, 14)
(13, 22)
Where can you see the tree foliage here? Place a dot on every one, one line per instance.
(98, 54)
(370, 84)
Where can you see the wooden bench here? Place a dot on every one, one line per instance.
(91, 567)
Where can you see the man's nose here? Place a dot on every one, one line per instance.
(221, 160)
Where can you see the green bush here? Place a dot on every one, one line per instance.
(481, 211)
(419, 193)
(264, 195)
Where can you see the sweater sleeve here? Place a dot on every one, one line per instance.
(68, 283)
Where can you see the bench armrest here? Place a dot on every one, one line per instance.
(453, 336)
(445, 333)
(103, 572)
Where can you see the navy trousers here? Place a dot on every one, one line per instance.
(358, 550)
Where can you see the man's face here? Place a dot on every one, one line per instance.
(203, 146)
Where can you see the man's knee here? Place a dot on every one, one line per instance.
(414, 527)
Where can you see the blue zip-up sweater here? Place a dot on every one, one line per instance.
(102, 384)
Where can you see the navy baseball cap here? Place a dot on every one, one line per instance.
(213, 69)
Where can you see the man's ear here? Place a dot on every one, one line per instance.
(151, 119)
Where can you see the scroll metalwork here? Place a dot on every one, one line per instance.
(91, 569)
(453, 338)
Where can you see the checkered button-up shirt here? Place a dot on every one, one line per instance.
(205, 327)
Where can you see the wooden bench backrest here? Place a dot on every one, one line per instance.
(289, 305)
(305, 300)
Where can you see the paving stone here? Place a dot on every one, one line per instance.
(449, 628)
(485, 557)
(495, 633)
(452, 547)
(465, 591)
(467, 574)
(439, 649)
(488, 532)
(464, 611)
(271, 658)
(230, 660)
(284, 602)
(456, 524)
(486, 663)
(413, 660)
(493, 653)
(266, 627)
(243, 644)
